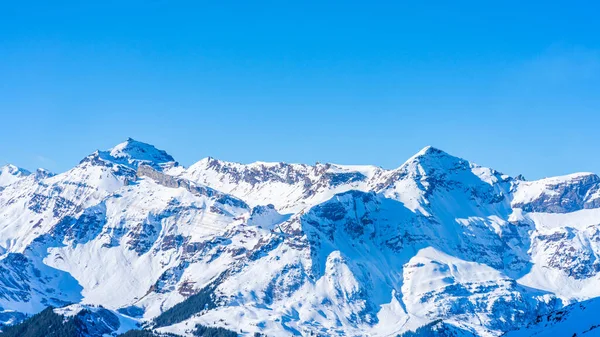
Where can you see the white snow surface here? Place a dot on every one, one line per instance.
(295, 249)
(10, 174)
(578, 319)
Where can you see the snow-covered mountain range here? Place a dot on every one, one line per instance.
(291, 249)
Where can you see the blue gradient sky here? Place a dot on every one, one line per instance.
(510, 85)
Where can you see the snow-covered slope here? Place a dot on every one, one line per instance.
(293, 249)
(578, 319)
(289, 187)
(10, 174)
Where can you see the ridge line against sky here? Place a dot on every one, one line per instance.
(510, 86)
(315, 163)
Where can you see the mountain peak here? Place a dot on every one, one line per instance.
(133, 150)
(427, 149)
(131, 153)
(431, 157)
(430, 151)
(14, 170)
(10, 173)
(42, 173)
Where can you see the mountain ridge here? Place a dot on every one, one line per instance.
(295, 249)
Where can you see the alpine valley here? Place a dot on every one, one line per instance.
(130, 240)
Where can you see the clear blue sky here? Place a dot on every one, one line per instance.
(514, 85)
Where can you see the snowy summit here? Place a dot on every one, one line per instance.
(438, 246)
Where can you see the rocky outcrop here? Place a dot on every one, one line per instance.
(577, 193)
(325, 249)
(176, 182)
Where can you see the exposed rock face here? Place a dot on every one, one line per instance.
(577, 319)
(564, 196)
(293, 249)
(289, 187)
(198, 190)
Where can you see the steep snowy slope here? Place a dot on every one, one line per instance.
(10, 174)
(123, 257)
(36, 203)
(578, 319)
(292, 249)
(289, 187)
(34, 208)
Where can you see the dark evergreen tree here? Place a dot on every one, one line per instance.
(205, 331)
(44, 324)
(146, 333)
(186, 309)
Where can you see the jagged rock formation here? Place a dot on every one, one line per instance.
(293, 249)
